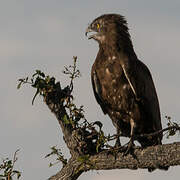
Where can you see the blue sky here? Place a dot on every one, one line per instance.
(46, 35)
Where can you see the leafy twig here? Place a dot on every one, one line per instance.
(58, 153)
(72, 71)
(8, 167)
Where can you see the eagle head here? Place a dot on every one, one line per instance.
(110, 30)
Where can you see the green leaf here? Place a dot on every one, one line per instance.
(65, 119)
(47, 79)
(18, 175)
(19, 85)
(50, 164)
(34, 74)
(48, 155)
(15, 171)
(172, 133)
(38, 72)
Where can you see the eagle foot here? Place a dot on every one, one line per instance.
(118, 143)
(113, 151)
(129, 148)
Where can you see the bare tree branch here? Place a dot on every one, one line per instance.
(152, 157)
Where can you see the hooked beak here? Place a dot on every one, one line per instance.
(92, 35)
(87, 31)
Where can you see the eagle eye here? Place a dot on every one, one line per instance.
(98, 25)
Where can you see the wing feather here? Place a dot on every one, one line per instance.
(98, 90)
(142, 85)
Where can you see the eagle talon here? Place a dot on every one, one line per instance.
(118, 143)
(129, 148)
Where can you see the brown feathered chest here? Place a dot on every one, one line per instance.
(114, 93)
(115, 90)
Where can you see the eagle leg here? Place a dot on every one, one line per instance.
(131, 141)
(130, 146)
(118, 143)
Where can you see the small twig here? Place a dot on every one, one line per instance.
(160, 131)
(15, 157)
(113, 137)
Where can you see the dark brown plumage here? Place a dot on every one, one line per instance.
(122, 84)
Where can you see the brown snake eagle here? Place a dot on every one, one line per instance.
(122, 84)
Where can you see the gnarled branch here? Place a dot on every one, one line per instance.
(151, 158)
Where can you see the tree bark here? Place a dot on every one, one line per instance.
(152, 157)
